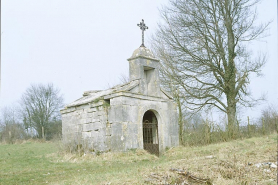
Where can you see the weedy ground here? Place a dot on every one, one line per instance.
(233, 162)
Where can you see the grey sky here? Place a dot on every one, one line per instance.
(83, 45)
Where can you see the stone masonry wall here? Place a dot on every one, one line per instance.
(126, 115)
(116, 125)
(86, 124)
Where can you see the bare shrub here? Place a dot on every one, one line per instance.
(10, 127)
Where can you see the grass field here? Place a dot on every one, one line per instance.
(234, 162)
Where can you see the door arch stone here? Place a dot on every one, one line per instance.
(150, 133)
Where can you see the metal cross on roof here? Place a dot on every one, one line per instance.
(143, 27)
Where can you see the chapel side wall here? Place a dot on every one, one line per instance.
(86, 125)
(71, 120)
(94, 126)
(173, 125)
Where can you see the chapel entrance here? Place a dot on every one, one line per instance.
(150, 133)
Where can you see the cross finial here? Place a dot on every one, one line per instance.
(143, 27)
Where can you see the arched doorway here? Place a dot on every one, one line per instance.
(150, 133)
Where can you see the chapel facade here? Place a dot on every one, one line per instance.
(138, 114)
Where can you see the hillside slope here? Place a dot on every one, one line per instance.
(223, 163)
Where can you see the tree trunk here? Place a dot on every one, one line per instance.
(43, 133)
(39, 130)
(231, 112)
(180, 120)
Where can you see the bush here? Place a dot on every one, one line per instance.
(202, 132)
(12, 132)
(54, 130)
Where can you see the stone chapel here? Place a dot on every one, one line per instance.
(138, 114)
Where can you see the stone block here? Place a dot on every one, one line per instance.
(83, 121)
(91, 109)
(95, 120)
(86, 135)
(88, 120)
(130, 101)
(130, 113)
(103, 118)
(70, 109)
(90, 114)
(115, 114)
(93, 115)
(101, 112)
(99, 140)
(116, 101)
(63, 111)
(117, 144)
(116, 129)
(88, 127)
(131, 135)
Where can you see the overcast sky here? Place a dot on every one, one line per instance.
(81, 45)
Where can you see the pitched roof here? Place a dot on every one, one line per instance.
(89, 96)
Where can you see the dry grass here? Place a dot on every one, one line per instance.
(227, 163)
(121, 157)
(223, 163)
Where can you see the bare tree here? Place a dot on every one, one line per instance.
(269, 119)
(9, 115)
(10, 127)
(171, 86)
(203, 48)
(40, 106)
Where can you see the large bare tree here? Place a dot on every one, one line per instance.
(203, 46)
(40, 106)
